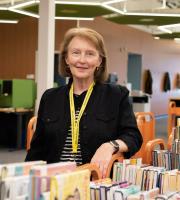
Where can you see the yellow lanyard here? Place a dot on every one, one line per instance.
(74, 121)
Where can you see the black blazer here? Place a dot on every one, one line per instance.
(108, 116)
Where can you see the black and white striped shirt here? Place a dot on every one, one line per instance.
(67, 154)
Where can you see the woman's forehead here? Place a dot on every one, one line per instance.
(79, 41)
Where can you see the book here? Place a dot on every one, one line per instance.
(72, 184)
(52, 169)
(17, 169)
(123, 193)
(144, 195)
(14, 187)
(45, 196)
(40, 177)
(168, 196)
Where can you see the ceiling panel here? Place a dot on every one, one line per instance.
(145, 15)
(8, 15)
(63, 10)
(144, 20)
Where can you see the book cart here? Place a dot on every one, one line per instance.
(131, 179)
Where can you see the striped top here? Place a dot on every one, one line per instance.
(67, 154)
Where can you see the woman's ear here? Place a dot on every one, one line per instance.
(100, 60)
(66, 59)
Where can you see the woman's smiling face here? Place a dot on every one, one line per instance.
(83, 58)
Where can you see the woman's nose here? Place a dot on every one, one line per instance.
(82, 58)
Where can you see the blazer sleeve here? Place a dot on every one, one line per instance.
(128, 130)
(37, 150)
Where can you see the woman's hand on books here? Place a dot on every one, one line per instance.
(102, 157)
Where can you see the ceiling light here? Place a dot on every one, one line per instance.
(69, 11)
(112, 1)
(146, 20)
(78, 3)
(3, 8)
(24, 4)
(177, 39)
(24, 13)
(9, 21)
(164, 30)
(156, 38)
(75, 18)
(170, 25)
(152, 14)
(113, 9)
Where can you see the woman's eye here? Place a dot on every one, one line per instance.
(90, 53)
(75, 52)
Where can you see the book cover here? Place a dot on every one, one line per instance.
(52, 169)
(123, 193)
(14, 187)
(46, 171)
(17, 169)
(71, 185)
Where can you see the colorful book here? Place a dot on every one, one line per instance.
(72, 184)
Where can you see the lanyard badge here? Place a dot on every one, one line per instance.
(75, 122)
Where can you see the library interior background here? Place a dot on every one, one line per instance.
(142, 38)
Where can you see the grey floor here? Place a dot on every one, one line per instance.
(10, 156)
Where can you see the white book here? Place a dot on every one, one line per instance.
(45, 196)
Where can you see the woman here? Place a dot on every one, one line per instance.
(86, 120)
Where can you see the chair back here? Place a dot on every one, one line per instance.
(30, 131)
(150, 147)
(173, 112)
(146, 125)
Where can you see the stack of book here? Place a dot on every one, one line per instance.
(14, 179)
(133, 180)
(170, 159)
(38, 180)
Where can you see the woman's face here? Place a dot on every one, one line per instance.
(82, 58)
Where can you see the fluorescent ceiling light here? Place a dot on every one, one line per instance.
(156, 38)
(113, 9)
(77, 3)
(146, 20)
(3, 8)
(24, 12)
(112, 1)
(177, 39)
(164, 30)
(170, 25)
(152, 14)
(24, 4)
(9, 21)
(75, 18)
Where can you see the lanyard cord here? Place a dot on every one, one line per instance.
(75, 122)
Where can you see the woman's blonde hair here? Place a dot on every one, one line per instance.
(100, 74)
